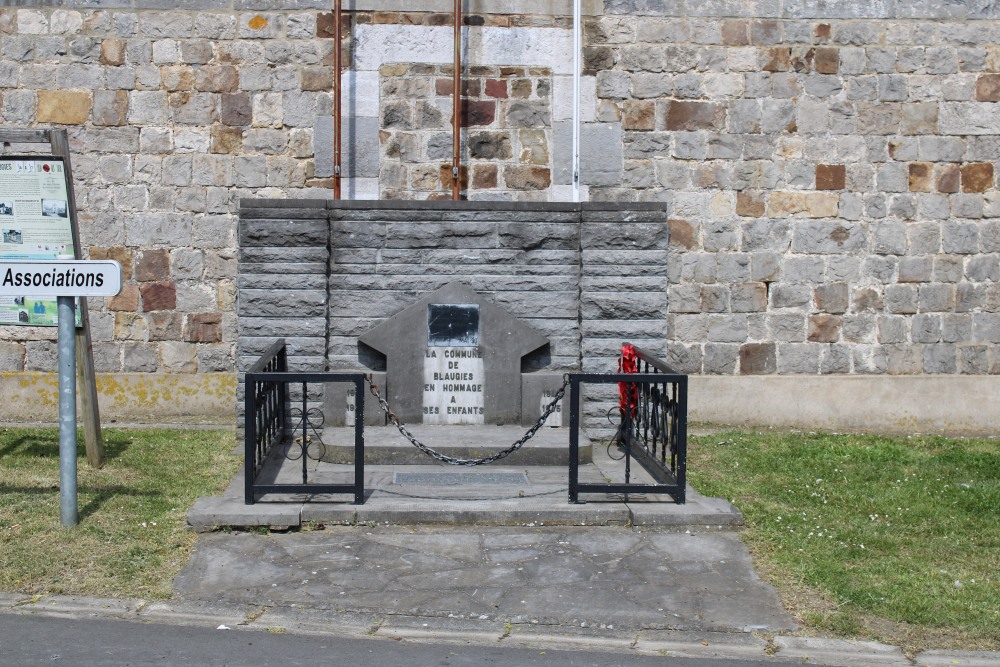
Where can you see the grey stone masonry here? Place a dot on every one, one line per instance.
(283, 259)
(827, 171)
(588, 277)
(830, 169)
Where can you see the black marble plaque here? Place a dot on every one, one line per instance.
(453, 325)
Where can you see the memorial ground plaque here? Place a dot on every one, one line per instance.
(454, 357)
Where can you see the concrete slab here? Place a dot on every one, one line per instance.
(13, 599)
(213, 512)
(578, 638)
(588, 577)
(511, 492)
(318, 622)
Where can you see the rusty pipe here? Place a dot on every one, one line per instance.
(456, 158)
(337, 45)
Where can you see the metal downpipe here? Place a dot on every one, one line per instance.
(577, 47)
(456, 158)
(337, 112)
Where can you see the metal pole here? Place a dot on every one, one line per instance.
(337, 46)
(67, 411)
(577, 46)
(456, 159)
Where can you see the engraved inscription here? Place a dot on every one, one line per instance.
(555, 419)
(453, 386)
(350, 412)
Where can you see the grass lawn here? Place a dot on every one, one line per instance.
(889, 538)
(131, 539)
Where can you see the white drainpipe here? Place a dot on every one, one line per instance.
(577, 48)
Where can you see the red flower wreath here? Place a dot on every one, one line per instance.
(628, 393)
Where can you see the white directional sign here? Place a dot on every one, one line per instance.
(61, 277)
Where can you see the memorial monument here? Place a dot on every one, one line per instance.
(453, 359)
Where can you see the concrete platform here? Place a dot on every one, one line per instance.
(384, 445)
(500, 494)
(543, 580)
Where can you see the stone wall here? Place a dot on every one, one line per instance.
(830, 174)
(508, 113)
(828, 168)
(321, 273)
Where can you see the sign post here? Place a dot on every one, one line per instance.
(64, 279)
(69, 513)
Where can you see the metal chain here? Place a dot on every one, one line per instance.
(451, 460)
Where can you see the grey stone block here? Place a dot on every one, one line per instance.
(340, 404)
(284, 233)
(721, 358)
(798, 358)
(983, 268)
(901, 298)
(835, 359)
(789, 327)
(956, 327)
(940, 358)
(926, 328)
(359, 147)
(727, 328)
(959, 237)
(986, 327)
(282, 303)
(601, 153)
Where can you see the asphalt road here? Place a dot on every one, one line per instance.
(38, 640)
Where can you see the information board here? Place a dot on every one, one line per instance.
(35, 224)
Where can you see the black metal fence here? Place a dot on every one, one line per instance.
(652, 431)
(282, 426)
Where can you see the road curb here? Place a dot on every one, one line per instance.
(466, 631)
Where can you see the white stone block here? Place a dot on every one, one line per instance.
(375, 45)
(66, 22)
(31, 22)
(362, 188)
(360, 94)
(562, 98)
(564, 193)
(191, 140)
(969, 118)
(535, 47)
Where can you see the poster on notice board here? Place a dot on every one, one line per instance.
(35, 224)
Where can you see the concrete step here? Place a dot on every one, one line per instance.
(384, 445)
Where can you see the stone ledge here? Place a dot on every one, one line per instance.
(945, 404)
(34, 397)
